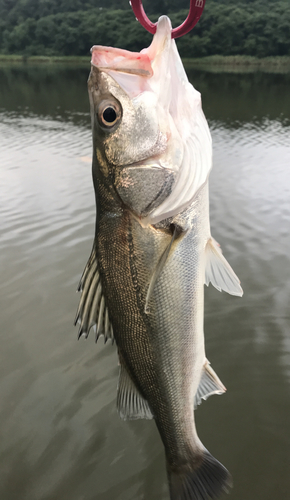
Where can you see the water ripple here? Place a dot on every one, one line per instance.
(48, 381)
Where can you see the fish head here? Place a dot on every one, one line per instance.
(125, 128)
(151, 140)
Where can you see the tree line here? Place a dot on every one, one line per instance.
(70, 27)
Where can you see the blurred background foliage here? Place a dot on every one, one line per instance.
(70, 27)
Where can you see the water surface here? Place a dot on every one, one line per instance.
(61, 437)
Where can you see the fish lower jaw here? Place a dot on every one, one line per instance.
(155, 163)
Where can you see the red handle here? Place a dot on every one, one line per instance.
(195, 11)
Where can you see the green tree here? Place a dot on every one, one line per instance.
(71, 27)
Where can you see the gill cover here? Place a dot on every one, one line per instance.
(156, 76)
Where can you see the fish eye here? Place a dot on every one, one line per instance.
(109, 113)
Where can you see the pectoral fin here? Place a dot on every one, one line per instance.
(218, 271)
(209, 384)
(130, 404)
(92, 311)
(176, 232)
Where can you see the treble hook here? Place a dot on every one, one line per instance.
(195, 11)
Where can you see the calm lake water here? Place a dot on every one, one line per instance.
(61, 438)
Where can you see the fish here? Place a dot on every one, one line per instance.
(143, 285)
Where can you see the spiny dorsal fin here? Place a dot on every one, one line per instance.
(218, 271)
(130, 404)
(209, 384)
(92, 311)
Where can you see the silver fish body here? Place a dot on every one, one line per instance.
(143, 285)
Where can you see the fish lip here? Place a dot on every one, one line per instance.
(143, 163)
(149, 163)
(140, 72)
(154, 161)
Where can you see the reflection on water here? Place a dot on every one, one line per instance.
(61, 436)
(53, 91)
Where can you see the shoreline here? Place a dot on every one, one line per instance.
(214, 63)
(271, 64)
(18, 59)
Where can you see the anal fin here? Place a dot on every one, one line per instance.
(218, 271)
(130, 404)
(209, 384)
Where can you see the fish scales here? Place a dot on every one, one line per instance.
(153, 249)
(145, 340)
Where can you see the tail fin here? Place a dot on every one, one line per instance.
(208, 479)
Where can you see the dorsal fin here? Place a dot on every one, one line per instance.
(92, 311)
